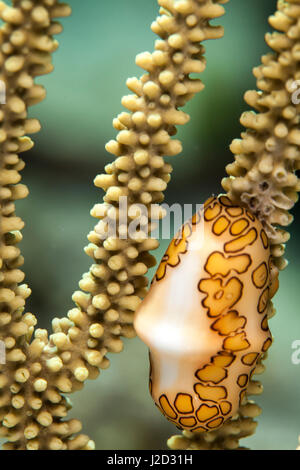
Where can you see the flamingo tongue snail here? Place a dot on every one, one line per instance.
(204, 317)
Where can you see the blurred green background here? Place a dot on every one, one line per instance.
(96, 55)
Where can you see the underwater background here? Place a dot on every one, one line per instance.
(96, 55)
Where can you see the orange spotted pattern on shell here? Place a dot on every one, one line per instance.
(204, 318)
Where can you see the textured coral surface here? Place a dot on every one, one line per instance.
(41, 369)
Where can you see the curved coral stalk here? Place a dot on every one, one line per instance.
(263, 179)
(26, 47)
(116, 282)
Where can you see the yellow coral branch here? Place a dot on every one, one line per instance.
(45, 369)
(263, 178)
(26, 47)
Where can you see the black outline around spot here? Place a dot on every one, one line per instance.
(227, 259)
(224, 230)
(238, 238)
(237, 221)
(256, 269)
(184, 412)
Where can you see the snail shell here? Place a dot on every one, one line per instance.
(204, 318)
